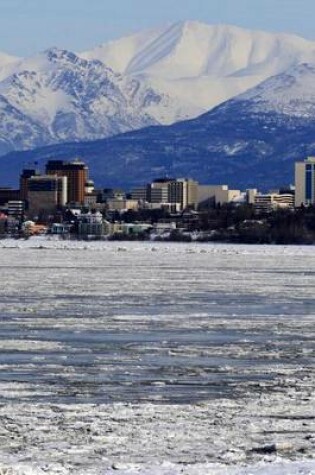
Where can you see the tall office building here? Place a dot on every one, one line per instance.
(305, 182)
(46, 193)
(26, 174)
(181, 191)
(77, 177)
(159, 190)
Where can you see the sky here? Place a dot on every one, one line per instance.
(29, 26)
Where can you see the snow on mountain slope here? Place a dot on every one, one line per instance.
(203, 64)
(249, 141)
(159, 76)
(17, 130)
(6, 59)
(291, 93)
(75, 99)
(7, 64)
(117, 54)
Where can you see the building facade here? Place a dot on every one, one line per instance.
(16, 208)
(305, 182)
(272, 201)
(91, 224)
(26, 174)
(216, 194)
(46, 193)
(76, 173)
(179, 194)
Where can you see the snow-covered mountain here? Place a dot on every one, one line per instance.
(203, 64)
(251, 140)
(7, 64)
(160, 76)
(69, 98)
(291, 93)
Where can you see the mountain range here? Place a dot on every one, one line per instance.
(251, 140)
(156, 77)
(219, 103)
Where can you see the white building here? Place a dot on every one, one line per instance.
(216, 194)
(91, 224)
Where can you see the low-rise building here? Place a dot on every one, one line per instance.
(16, 209)
(60, 229)
(127, 229)
(29, 228)
(272, 201)
(91, 224)
(91, 199)
(122, 204)
(8, 194)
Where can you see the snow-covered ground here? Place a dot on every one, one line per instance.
(156, 359)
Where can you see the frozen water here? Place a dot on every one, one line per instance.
(140, 358)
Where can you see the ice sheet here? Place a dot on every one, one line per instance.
(134, 358)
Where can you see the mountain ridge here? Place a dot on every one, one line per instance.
(175, 73)
(70, 98)
(237, 143)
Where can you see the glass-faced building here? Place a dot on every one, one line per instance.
(305, 182)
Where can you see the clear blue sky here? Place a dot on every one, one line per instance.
(28, 26)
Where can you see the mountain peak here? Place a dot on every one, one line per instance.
(191, 49)
(162, 75)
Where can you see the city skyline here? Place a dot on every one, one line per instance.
(80, 25)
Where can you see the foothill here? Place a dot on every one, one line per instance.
(64, 202)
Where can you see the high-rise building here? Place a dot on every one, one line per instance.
(141, 193)
(159, 190)
(46, 193)
(305, 182)
(181, 191)
(77, 177)
(26, 174)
